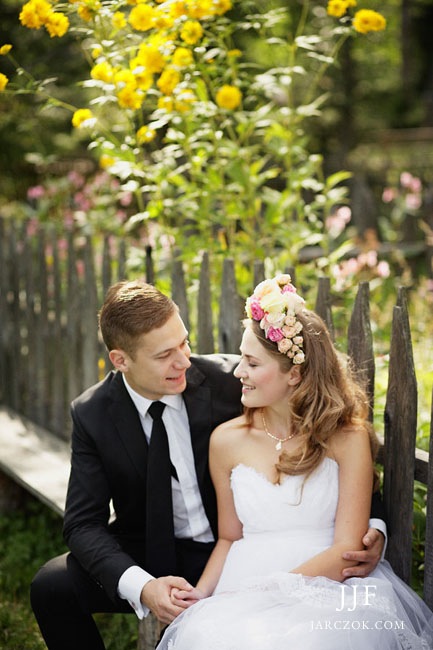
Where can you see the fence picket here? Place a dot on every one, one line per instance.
(231, 311)
(360, 341)
(89, 310)
(323, 304)
(178, 289)
(205, 338)
(428, 548)
(400, 439)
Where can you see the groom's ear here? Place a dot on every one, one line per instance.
(295, 376)
(119, 359)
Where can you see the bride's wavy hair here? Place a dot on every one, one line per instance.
(329, 396)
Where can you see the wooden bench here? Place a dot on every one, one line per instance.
(39, 462)
(34, 458)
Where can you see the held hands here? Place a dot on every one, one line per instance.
(367, 559)
(186, 598)
(157, 596)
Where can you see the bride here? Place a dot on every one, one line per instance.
(294, 477)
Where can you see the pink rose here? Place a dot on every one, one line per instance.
(256, 311)
(284, 345)
(274, 334)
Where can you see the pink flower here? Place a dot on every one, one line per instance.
(274, 334)
(388, 195)
(409, 182)
(35, 192)
(383, 270)
(288, 288)
(256, 311)
(413, 201)
(76, 179)
(284, 345)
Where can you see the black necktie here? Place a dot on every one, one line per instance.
(160, 545)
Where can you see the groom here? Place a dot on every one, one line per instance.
(154, 539)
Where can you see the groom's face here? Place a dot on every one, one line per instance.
(160, 361)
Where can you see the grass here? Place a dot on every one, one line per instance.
(30, 535)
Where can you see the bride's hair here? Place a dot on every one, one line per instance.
(329, 396)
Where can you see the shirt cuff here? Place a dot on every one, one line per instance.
(380, 525)
(130, 587)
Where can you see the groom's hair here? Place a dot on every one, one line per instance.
(131, 309)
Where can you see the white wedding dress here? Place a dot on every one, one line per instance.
(259, 605)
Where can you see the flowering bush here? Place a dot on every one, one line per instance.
(212, 142)
(404, 199)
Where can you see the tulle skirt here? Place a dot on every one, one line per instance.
(286, 611)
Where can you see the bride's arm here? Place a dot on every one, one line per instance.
(229, 526)
(351, 450)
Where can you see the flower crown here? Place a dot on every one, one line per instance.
(275, 304)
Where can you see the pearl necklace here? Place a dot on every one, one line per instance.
(279, 440)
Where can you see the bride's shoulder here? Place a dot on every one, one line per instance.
(230, 430)
(348, 441)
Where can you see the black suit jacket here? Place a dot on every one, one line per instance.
(109, 458)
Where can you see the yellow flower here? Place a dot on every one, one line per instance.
(222, 6)
(143, 78)
(367, 20)
(85, 13)
(182, 57)
(200, 8)
(145, 134)
(5, 49)
(165, 104)
(3, 81)
(97, 51)
(88, 9)
(150, 57)
(128, 97)
(234, 53)
(228, 97)
(57, 24)
(191, 32)
(337, 8)
(162, 19)
(125, 78)
(168, 81)
(106, 161)
(184, 100)
(102, 71)
(118, 20)
(178, 9)
(80, 116)
(34, 13)
(142, 17)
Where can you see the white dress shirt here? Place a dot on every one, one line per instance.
(189, 517)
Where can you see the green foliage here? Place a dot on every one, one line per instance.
(418, 538)
(213, 141)
(29, 537)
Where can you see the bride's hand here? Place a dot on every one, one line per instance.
(183, 598)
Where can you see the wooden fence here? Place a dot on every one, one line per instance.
(50, 352)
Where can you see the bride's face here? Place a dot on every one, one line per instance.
(263, 381)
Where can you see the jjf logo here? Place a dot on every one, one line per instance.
(353, 595)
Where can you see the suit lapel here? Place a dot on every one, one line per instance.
(198, 405)
(127, 424)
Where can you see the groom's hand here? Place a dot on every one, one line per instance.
(367, 559)
(156, 596)
(184, 598)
